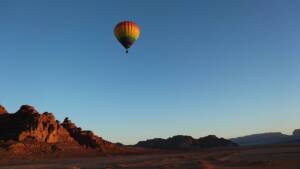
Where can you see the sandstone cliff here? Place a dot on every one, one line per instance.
(28, 125)
(28, 130)
(88, 138)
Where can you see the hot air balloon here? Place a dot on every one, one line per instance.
(127, 32)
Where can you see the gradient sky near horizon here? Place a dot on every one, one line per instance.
(229, 68)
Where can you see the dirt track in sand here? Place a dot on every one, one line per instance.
(271, 157)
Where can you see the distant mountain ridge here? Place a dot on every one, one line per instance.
(267, 138)
(296, 133)
(181, 142)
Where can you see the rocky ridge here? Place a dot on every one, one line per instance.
(181, 142)
(296, 133)
(87, 138)
(27, 131)
(268, 138)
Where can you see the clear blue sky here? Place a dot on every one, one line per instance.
(228, 68)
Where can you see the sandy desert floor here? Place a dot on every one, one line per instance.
(260, 157)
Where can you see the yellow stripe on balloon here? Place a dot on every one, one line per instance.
(127, 28)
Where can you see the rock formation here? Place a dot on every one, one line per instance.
(186, 143)
(28, 125)
(88, 138)
(214, 141)
(27, 129)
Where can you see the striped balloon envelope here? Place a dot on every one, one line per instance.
(127, 32)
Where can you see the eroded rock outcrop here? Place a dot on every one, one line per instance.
(88, 138)
(29, 131)
(28, 125)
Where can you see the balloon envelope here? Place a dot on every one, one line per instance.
(127, 32)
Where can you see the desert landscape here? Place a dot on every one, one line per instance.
(30, 140)
(271, 157)
(157, 84)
